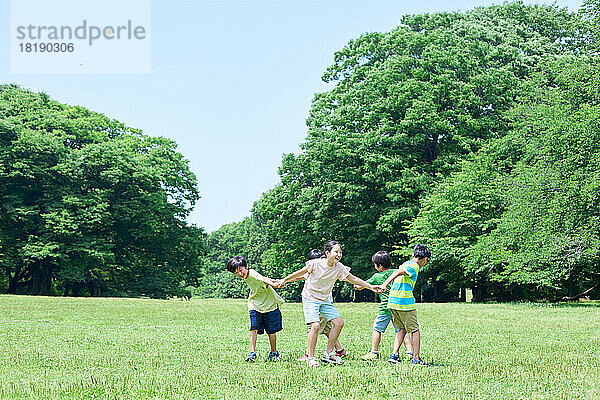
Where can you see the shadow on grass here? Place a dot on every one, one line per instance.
(436, 363)
(429, 364)
(578, 304)
(562, 304)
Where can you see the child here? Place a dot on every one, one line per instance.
(382, 263)
(321, 274)
(402, 302)
(263, 306)
(324, 325)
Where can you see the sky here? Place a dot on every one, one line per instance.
(231, 82)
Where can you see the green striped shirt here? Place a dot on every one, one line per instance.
(401, 295)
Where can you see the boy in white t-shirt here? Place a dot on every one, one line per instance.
(321, 274)
(263, 306)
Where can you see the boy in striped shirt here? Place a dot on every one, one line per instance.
(401, 301)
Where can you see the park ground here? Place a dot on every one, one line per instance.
(105, 348)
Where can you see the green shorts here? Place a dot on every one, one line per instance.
(324, 325)
(405, 320)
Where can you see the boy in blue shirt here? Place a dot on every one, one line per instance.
(401, 301)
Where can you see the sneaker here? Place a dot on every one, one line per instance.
(394, 359)
(332, 358)
(303, 357)
(418, 362)
(251, 357)
(341, 353)
(273, 356)
(312, 362)
(370, 356)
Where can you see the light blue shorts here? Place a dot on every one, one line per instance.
(312, 308)
(382, 321)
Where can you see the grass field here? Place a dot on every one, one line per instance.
(86, 348)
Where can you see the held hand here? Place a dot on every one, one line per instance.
(378, 289)
(357, 287)
(279, 284)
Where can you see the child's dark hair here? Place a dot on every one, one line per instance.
(314, 253)
(235, 263)
(421, 251)
(329, 245)
(383, 259)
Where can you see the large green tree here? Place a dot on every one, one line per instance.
(406, 107)
(89, 205)
(521, 219)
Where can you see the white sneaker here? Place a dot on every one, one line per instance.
(312, 362)
(332, 358)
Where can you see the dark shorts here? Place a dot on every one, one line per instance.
(265, 322)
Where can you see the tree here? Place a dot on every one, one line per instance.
(90, 206)
(246, 238)
(521, 219)
(548, 238)
(407, 107)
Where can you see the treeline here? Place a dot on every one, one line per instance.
(476, 133)
(89, 206)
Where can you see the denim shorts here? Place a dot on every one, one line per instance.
(269, 322)
(382, 321)
(312, 308)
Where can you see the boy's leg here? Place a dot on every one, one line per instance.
(379, 326)
(412, 326)
(253, 335)
(398, 340)
(256, 325)
(273, 324)
(273, 341)
(408, 344)
(337, 345)
(397, 321)
(338, 324)
(416, 344)
(324, 325)
(375, 341)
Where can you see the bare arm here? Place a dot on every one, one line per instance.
(299, 278)
(359, 282)
(294, 276)
(394, 275)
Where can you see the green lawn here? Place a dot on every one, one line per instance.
(85, 348)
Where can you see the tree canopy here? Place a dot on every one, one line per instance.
(406, 109)
(89, 205)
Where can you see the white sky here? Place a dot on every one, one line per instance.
(231, 82)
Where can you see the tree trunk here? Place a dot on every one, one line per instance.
(572, 284)
(94, 289)
(479, 291)
(436, 292)
(45, 278)
(36, 278)
(12, 284)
